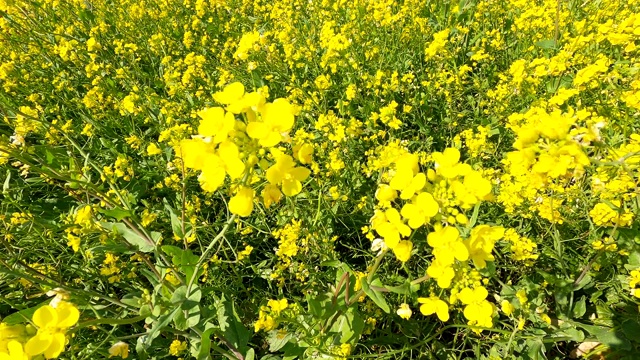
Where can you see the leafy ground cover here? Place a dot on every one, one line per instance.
(250, 179)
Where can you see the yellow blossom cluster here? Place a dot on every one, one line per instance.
(45, 338)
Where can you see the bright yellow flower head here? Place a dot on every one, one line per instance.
(241, 203)
(446, 162)
(392, 228)
(433, 305)
(407, 179)
(14, 352)
(402, 251)
(303, 153)
(271, 195)
(216, 124)
(195, 152)
(385, 193)
(120, 349)
(287, 175)
(278, 305)
(230, 94)
(481, 242)
(277, 120)
(447, 245)
(443, 273)
(153, 149)
(404, 311)
(52, 324)
(421, 210)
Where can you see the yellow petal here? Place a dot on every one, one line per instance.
(45, 316)
(300, 173)
(211, 178)
(403, 250)
(38, 344)
(442, 310)
(212, 121)
(271, 139)
(68, 315)
(56, 347)
(257, 130)
(241, 204)
(279, 114)
(291, 187)
(231, 93)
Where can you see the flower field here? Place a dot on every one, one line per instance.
(319, 179)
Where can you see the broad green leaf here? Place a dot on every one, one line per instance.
(580, 307)
(117, 213)
(229, 322)
(158, 325)
(205, 345)
(131, 236)
(278, 339)
(376, 296)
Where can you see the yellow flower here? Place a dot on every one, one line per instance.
(271, 195)
(303, 153)
(443, 273)
(230, 94)
(545, 318)
(119, 349)
(277, 119)
(153, 149)
(241, 203)
(421, 210)
(522, 296)
(507, 307)
(385, 193)
(392, 228)
(481, 242)
(278, 305)
(14, 352)
(402, 251)
(406, 179)
(216, 124)
(265, 322)
(446, 163)
(287, 175)
(433, 305)
(404, 311)
(177, 347)
(447, 245)
(477, 310)
(194, 153)
(52, 324)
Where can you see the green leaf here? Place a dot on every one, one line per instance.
(5, 186)
(611, 338)
(179, 296)
(185, 319)
(403, 289)
(350, 325)
(580, 307)
(229, 322)
(205, 345)
(278, 339)
(117, 213)
(572, 334)
(546, 44)
(535, 349)
(161, 323)
(132, 237)
(376, 296)
(250, 355)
